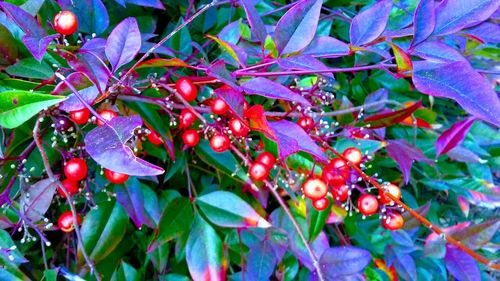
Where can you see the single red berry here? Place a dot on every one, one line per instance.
(337, 167)
(266, 158)
(219, 106)
(186, 88)
(340, 193)
(80, 117)
(76, 169)
(314, 188)
(186, 119)
(154, 138)
(258, 171)
(367, 204)
(306, 123)
(106, 115)
(190, 137)
(65, 23)
(66, 221)
(321, 204)
(238, 128)
(393, 221)
(392, 189)
(114, 177)
(70, 186)
(220, 143)
(353, 154)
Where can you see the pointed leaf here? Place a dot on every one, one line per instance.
(256, 23)
(424, 21)
(30, 68)
(233, 98)
(387, 119)
(264, 87)
(325, 46)
(173, 62)
(260, 262)
(219, 71)
(477, 235)
(370, 23)
(23, 19)
(123, 43)
(403, 60)
(148, 3)
(453, 136)
(462, 266)
(258, 122)
(38, 45)
(35, 201)
(339, 261)
(130, 196)
(438, 52)
(303, 62)
(405, 154)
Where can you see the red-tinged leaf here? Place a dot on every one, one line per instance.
(410, 221)
(204, 253)
(123, 43)
(343, 261)
(258, 122)
(90, 65)
(219, 71)
(403, 60)
(464, 205)
(487, 200)
(420, 123)
(477, 235)
(370, 23)
(296, 29)
(461, 265)
(327, 47)
(228, 210)
(159, 62)
(405, 154)
(424, 21)
(255, 21)
(264, 87)
(230, 49)
(387, 119)
(435, 245)
(233, 98)
(454, 136)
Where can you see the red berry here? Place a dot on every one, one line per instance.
(80, 117)
(336, 167)
(190, 137)
(266, 158)
(220, 143)
(154, 138)
(353, 154)
(186, 88)
(391, 189)
(65, 23)
(186, 119)
(238, 128)
(106, 115)
(393, 221)
(66, 221)
(321, 204)
(76, 169)
(367, 204)
(314, 188)
(258, 171)
(306, 122)
(114, 177)
(219, 106)
(340, 193)
(332, 177)
(70, 186)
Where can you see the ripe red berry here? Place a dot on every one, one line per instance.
(266, 158)
(238, 129)
(65, 23)
(367, 204)
(321, 204)
(353, 154)
(190, 137)
(66, 221)
(306, 123)
(220, 143)
(258, 171)
(391, 189)
(80, 117)
(340, 193)
(154, 138)
(219, 106)
(186, 119)
(106, 115)
(76, 169)
(393, 221)
(114, 177)
(186, 88)
(314, 188)
(336, 167)
(70, 186)
(332, 177)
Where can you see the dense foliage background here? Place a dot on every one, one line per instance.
(411, 84)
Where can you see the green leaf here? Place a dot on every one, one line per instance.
(317, 220)
(228, 210)
(126, 272)
(30, 68)
(16, 107)
(50, 275)
(8, 48)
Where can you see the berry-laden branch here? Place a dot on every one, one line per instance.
(479, 258)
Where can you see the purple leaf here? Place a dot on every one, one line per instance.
(463, 154)
(231, 33)
(233, 98)
(24, 20)
(403, 262)
(130, 196)
(77, 79)
(319, 246)
(435, 245)
(453, 136)
(458, 81)
(291, 138)
(38, 45)
(93, 67)
(255, 21)
(404, 154)
(410, 221)
(379, 95)
(270, 89)
(487, 31)
(477, 235)
(107, 146)
(219, 71)
(148, 3)
(36, 199)
(303, 62)
(461, 265)
(454, 15)
(73, 103)
(123, 43)
(370, 23)
(424, 21)
(92, 15)
(438, 52)
(296, 29)
(260, 261)
(338, 261)
(326, 46)
(95, 46)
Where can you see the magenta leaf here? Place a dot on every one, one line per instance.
(410, 221)
(296, 29)
(460, 82)
(454, 15)
(131, 197)
(477, 235)
(107, 146)
(92, 15)
(461, 265)
(254, 19)
(233, 98)
(404, 154)
(370, 23)
(389, 118)
(123, 43)
(341, 261)
(424, 21)
(453, 136)
(36, 199)
(303, 62)
(437, 52)
(38, 45)
(264, 87)
(326, 46)
(489, 200)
